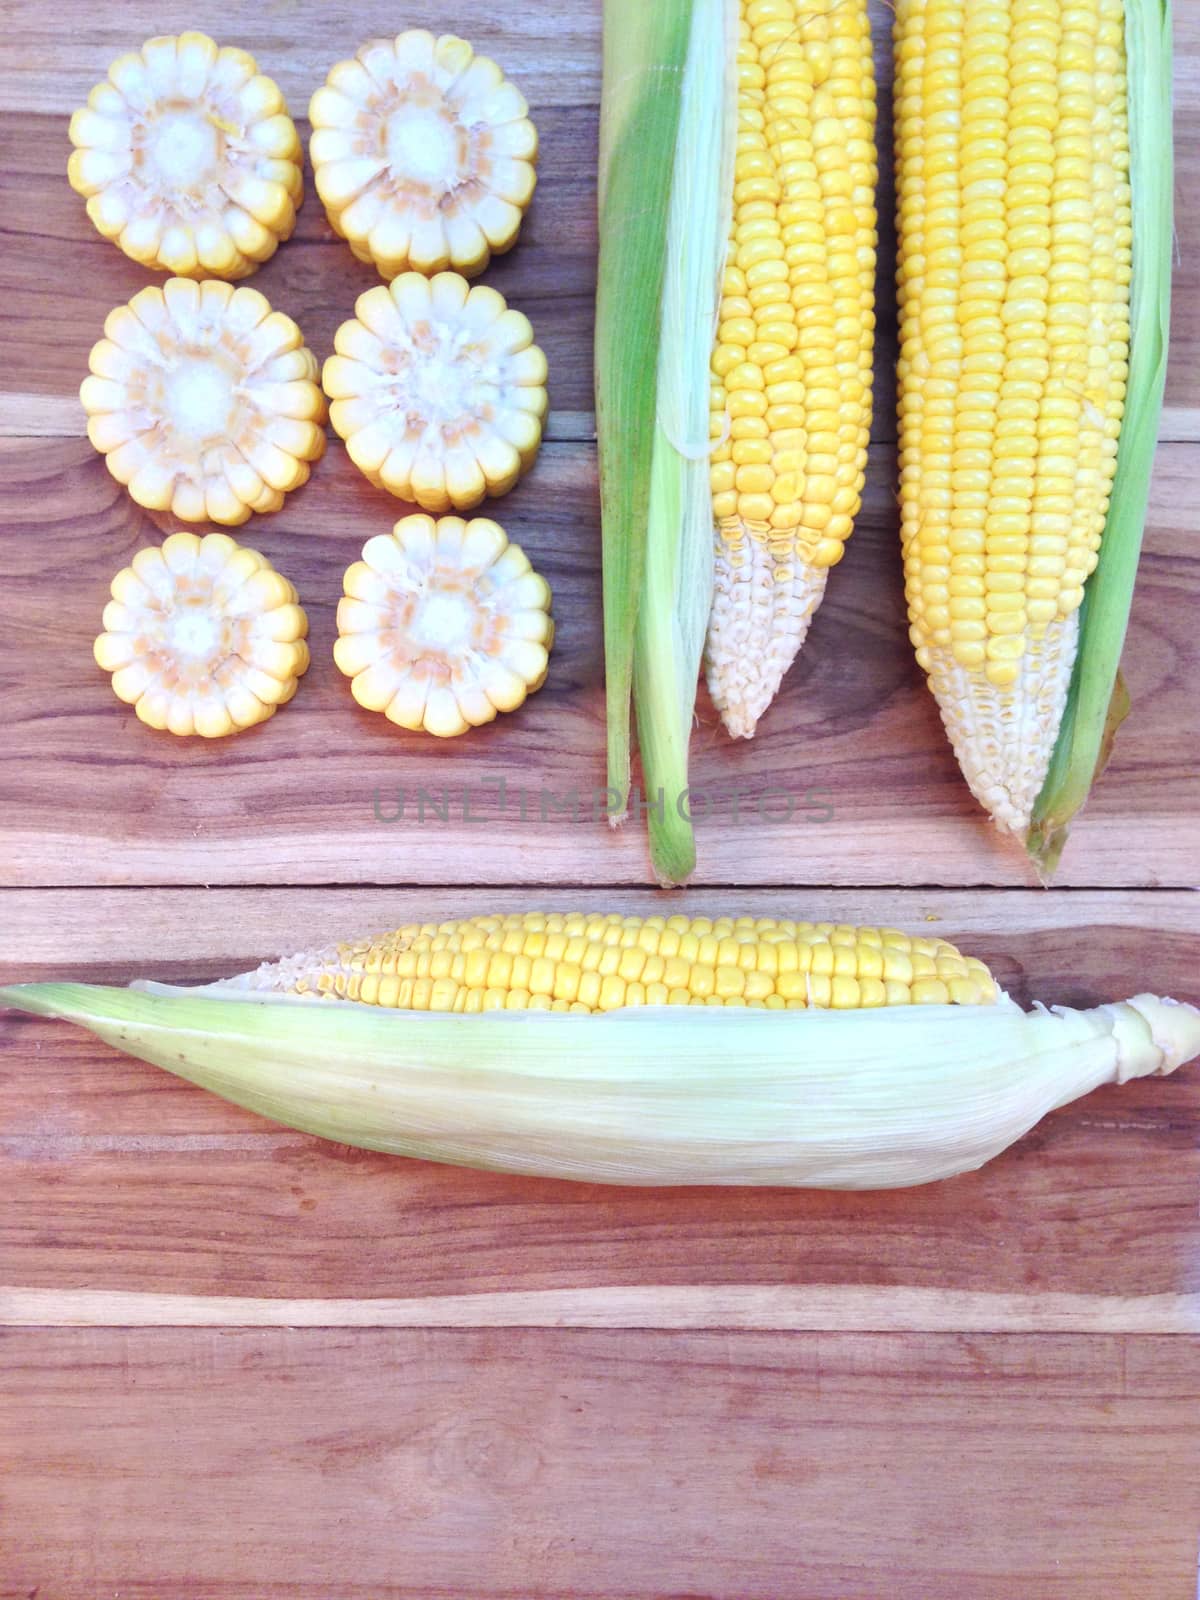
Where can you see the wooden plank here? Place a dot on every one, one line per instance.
(836, 1308)
(853, 748)
(90, 794)
(510, 1465)
(50, 59)
(121, 1178)
(1077, 948)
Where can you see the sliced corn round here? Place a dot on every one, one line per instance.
(423, 154)
(438, 390)
(204, 401)
(188, 158)
(443, 624)
(203, 636)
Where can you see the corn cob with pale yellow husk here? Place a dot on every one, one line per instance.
(1016, 251)
(188, 158)
(709, 1085)
(791, 399)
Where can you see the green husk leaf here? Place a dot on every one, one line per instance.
(866, 1099)
(1096, 702)
(645, 51)
(678, 575)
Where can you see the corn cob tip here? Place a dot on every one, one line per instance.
(1003, 734)
(760, 617)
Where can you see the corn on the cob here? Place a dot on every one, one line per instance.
(203, 401)
(423, 154)
(1012, 148)
(791, 398)
(438, 390)
(596, 962)
(202, 636)
(443, 625)
(188, 158)
(860, 1099)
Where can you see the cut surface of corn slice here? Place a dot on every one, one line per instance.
(203, 401)
(590, 961)
(1013, 208)
(423, 154)
(188, 158)
(203, 636)
(443, 625)
(438, 390)
(791, 394)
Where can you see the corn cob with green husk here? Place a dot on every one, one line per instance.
(1033, 147)
(693, 1050)
(735, 328)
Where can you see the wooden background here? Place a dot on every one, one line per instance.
(235, 1362)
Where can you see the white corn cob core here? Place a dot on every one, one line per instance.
(999, 732)
(758, 622)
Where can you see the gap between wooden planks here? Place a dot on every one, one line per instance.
(809, 1308)
(112, 934)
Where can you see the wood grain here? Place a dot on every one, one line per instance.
(852, 749)
(813, 1308)
(408, 1465)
